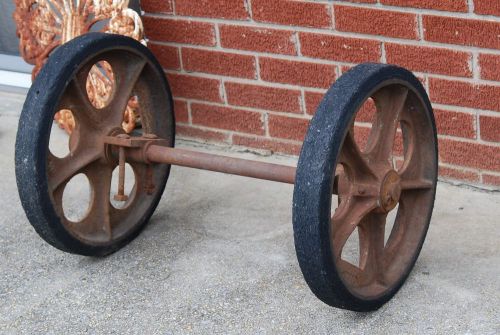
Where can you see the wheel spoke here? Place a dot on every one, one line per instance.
(77, 101)
(143, 177)
(74, 138)
(61, 170)
(353, 272)
(98, 221)
(351, 156)
(412, 173)
(397, 234)
(390, 103)
(127, 72)
(408, 142)
(346, 219)
(372, 233)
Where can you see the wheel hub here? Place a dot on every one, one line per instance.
(390, 191)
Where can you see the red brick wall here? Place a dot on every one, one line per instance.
(251, 72)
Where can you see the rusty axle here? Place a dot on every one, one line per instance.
(217, 163)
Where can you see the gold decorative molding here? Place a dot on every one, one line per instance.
(42, 25)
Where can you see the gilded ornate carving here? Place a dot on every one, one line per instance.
(42, 25)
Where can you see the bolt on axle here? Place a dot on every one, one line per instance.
(121, 196)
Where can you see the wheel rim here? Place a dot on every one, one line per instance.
(370, 186)
(134, 78)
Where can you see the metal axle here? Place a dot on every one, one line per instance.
(217, 163)
(151, 149)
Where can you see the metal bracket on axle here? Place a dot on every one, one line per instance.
(134, 149)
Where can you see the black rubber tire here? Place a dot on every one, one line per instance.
(34, 131)
(313, 184)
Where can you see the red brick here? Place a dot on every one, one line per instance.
(222, 63)
(490, 179)
(429, 59)
(158, 6)
(270, 98)
(297, 73)
(292, 13)
(167, 56)
(227, 118)
(190, 87)
(361, 136)
(376, 22)
(367, 112)
(287, 127)
(362, 132)
(339, 48)
(462, 31)
(258, 39)
(446, 5)
(490, 66)
(458, 174)
(454, 123)
(345, 68)
(202, 134)
(313, 99)
(224, 9)
(268, 144)
(465, 94)
(179, 31)
(468, 154)
(181, 111)
(490, 129)
(487, 7)
(397, 148)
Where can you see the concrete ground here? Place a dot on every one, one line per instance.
(218, 258)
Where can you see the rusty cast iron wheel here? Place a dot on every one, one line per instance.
(42, 177)
(369, 186)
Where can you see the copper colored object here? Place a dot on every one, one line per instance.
(89, 154)
(370, 186)
(43, 25)
(210, 162)
(151, 149)
(368, 182)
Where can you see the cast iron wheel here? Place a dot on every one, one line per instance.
(42, 177)
(369, 186)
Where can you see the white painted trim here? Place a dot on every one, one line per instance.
(16, 79)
